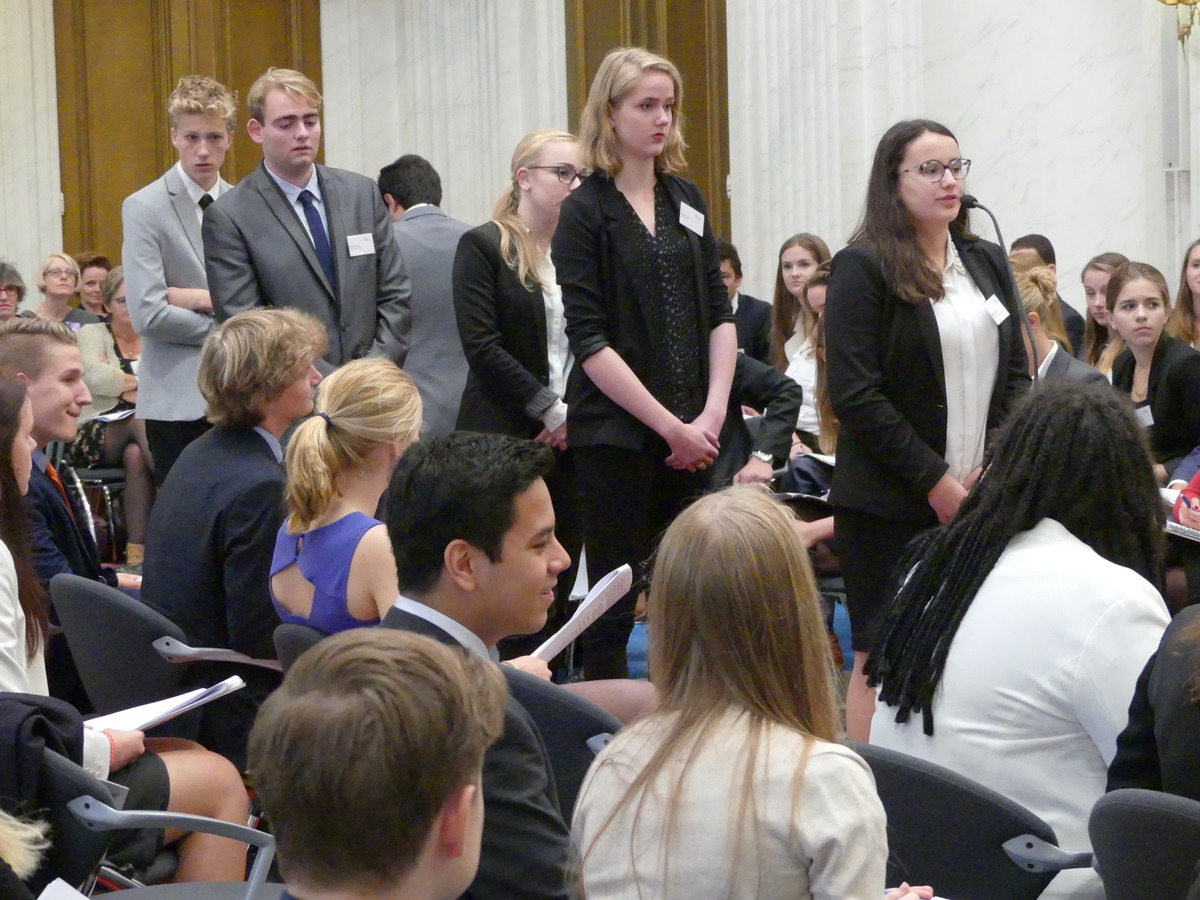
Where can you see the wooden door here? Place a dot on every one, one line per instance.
(691, 33)
(117, 63)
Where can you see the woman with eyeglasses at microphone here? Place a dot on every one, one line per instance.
(924, 357)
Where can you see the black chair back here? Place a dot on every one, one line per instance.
(110, 635)
(948, 831)
(573, 729)
(75, 850)
(291, 640)
(1146, 843)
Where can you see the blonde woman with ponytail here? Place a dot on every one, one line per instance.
(1039, 296)
(333, 567)
(510, 319)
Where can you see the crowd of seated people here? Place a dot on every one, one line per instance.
(994, 488)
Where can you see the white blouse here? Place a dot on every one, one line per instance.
(558, 350)
(970, 354)
(802, 369)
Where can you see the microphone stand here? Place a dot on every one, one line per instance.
(969, 201)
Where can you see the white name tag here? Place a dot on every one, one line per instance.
(995, 309)
(360, 244)
(690, 218)
(1145, 416)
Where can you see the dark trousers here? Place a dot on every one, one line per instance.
(628, 499)
(166, 441)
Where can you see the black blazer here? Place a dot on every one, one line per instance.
(1173, 393)
(753, 322)
(598, 269)
(58, 542)
(502, 325)
(525, 841)
(211, 538)
(887, 380)
(764, 387)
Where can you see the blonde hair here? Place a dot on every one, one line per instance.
(248, 361)
(1038, 287)
(71, 264)
(204, 96)
(22, 843)
(617, 77)
(737, 626)
(828, 424)
(291, 82)
(517, 247)
(1183, 317)
(364, 404)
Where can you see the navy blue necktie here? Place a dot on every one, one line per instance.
(320, 239)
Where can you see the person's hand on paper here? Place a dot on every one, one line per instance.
(126, 747)
(531, 665)
(904, 892)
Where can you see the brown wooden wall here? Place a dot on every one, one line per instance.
(691, 33)
(118, 61)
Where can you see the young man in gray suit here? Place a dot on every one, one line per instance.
(299, 235)
(428, 240)
(163, 255)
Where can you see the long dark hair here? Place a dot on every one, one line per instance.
(786, 309)
(1071, 452)
(886, 224)
(1183, 316)
(14, 525)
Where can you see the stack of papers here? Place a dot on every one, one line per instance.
(140, 718)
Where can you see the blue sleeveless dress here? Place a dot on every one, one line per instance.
(323, 556)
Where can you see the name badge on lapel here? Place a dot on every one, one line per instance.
(1145, 416)
(360, 244)
(691, 218)
(995, 309)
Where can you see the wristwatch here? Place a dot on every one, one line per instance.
(763, 456)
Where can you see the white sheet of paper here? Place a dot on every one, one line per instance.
(691, 218)
(139, 718)
(360, 244)
(59, 890)
(1145, 416)
(995, 309)
(607, 591)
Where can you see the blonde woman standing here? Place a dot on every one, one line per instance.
(650, 324)
(333, 567)
(510, 319)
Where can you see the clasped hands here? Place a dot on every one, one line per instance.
(694, 445)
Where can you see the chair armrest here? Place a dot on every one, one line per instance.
(100, 816)
(1035, 855)
(178, 652)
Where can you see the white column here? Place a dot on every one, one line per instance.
(812, 85)
(30, 189)
(459, 82)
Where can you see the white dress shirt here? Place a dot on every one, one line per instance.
(452, 627)
(196, 192)
(558, 349)
(802, 369)
(970, 354)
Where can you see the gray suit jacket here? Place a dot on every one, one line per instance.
(257, 253)
(428, 239)
(1064, 365)
(162, 249)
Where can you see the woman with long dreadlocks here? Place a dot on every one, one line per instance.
(1011, 650)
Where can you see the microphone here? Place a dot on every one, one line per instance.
(969, 201)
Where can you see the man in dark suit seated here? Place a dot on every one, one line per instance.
(472, 529)
(212, 531)
(44, 355)
(751, 316)
(404, 821)
(750, 456)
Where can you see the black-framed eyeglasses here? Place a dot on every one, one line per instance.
(935, 170)
(566, 174)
